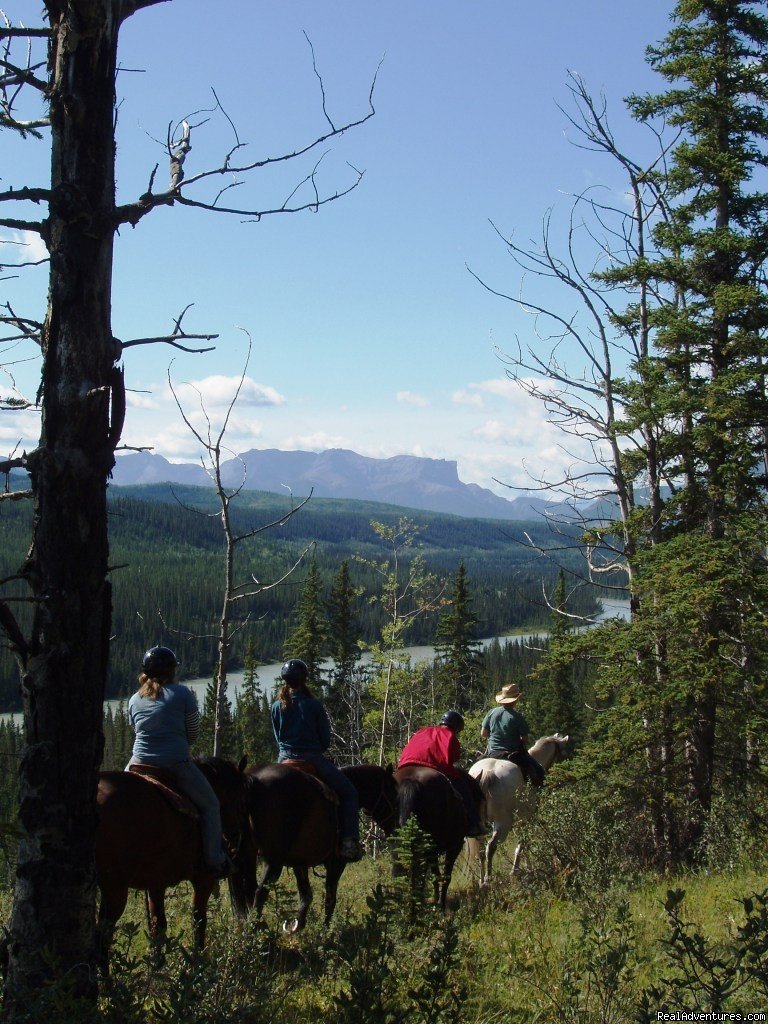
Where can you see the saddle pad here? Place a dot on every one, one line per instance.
(164, 781)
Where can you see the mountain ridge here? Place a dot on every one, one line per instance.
(410, 481)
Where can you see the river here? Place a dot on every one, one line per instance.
(267, 674)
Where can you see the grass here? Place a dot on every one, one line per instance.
(518, 951)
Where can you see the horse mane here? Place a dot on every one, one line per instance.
(543, 740)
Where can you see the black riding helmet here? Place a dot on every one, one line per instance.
(453, 720)
(159, 661)
(294, 671)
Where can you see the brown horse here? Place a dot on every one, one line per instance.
(429, 796)
(143, 842)
(293, 822)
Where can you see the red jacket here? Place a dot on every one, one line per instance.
(436, 747)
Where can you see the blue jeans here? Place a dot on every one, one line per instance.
(340, 784)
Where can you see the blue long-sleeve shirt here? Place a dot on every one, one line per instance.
(302, 727)
(164, 725)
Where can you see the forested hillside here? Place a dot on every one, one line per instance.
(167, 551)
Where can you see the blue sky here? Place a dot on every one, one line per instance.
(368, 330)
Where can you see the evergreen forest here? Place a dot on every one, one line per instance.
(167, 549)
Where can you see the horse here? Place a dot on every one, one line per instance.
(293, 822)
(428, 795)
(508, 799)
(144, 842)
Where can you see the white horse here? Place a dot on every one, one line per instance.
(508, 799)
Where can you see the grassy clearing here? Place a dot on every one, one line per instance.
(515, 952)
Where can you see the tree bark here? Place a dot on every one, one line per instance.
(64, 667)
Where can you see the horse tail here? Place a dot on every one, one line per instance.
(407, 797)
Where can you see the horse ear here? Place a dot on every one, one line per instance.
(242, 763)
(390, 769)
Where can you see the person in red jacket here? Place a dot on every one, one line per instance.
(438, 747)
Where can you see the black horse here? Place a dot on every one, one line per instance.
(293, 822)
(428, 795)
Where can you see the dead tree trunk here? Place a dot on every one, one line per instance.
(64, 665)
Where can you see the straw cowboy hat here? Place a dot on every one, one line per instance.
(509, 695)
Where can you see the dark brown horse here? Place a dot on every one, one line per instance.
(293, 822)
(428, 796)
(144, 842)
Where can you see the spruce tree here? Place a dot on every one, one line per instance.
(553, 704)
(346, 679)
(253, 725)
(458, 650)
(701, 580)
(309, 637)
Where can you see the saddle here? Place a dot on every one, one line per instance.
(163, 779)
(309, 769)
(523, 761)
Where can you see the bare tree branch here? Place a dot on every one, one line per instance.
(177, 151)
(173, 338)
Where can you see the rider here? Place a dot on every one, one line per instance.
(303, 732)
(164, 717)
(438, 747)
(507, 733)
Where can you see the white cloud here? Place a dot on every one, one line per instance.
(500, 387)
(465, 398)
(411, 398)
(19, 431)
(22, 247)
(315, 442)
(218, 390)
(139, 400)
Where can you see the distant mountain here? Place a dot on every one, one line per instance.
(406, 480)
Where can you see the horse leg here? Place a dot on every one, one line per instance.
(201, 895)
(271, 874)
(516, 859)
(333, 872)
(111, 909)
(498, 835)
(157, 922)
(305, 899)
(450, 860)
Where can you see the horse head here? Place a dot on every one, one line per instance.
(550, 749)
(377, 793)
(228, 783)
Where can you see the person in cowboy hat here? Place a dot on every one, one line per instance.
(507, 734)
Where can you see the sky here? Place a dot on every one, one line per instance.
(367, 325)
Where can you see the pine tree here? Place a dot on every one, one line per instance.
(203, 746)
(700, 582)
(458, 651)
(253, 725)
(346, 681)
(553, 704)
(309, 637)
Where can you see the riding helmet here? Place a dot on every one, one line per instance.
(294, 671)
(159, 661)
(453, 720)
